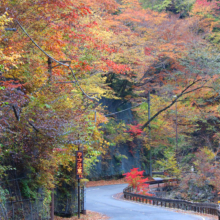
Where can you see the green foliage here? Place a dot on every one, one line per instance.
(109, 127)
(3, 168)
(187, 159)
(3, 195)
(169, 163)
(144, 106)
(1, 67)
(118, 157)
(91, 159)
(29, 189)
(46, 203)
(115, 132)
(175, 6)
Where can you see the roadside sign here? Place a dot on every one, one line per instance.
(79, 174)
(79, 164)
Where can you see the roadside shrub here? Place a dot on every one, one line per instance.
(136, 179)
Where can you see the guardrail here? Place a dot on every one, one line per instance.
(158, 172)
(164, 181)
(207, 208)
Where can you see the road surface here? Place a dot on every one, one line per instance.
(100, 199)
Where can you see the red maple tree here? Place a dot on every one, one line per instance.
(136, 179)
(135, 130)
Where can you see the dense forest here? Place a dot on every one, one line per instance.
(60, 60)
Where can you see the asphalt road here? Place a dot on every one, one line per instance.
(100, 199)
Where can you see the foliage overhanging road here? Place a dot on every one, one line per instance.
(100, 199)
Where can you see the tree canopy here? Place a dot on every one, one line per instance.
(66, 55)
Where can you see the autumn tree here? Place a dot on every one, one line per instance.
(170, 57)
(48, 103)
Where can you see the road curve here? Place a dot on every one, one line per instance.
(100, 199)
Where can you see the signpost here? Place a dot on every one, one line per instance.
(79, 164)
(79, 174)
(218, 204)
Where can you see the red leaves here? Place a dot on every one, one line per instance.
(135, 130)
(11, 84)
(86, 10)
(83, 65)
(135, 179)
(147, 51)
(117, 68)
(203, 2)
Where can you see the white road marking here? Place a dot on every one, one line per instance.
(91, 189)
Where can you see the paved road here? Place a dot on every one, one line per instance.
(100, 199)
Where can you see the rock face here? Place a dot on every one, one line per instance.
(200, 193)
(194, 192)
(114, 164)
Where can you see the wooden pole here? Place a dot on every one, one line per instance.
(52, 191)
(78, 188)
(78, 198)
(49, 68)
(149, 133)
(176, 135)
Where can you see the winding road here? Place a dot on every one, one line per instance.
(100, 199)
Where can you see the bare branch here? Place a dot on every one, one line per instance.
(33, 126)
(16, 113)
(167, 107)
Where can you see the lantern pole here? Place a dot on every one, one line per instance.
(78, 196)
(78, 187)
(149, 134)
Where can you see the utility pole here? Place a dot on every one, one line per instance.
(176, 135)
(78, 186)
(78, 192)
(52, 191)
(149, 134)
(49, 68)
